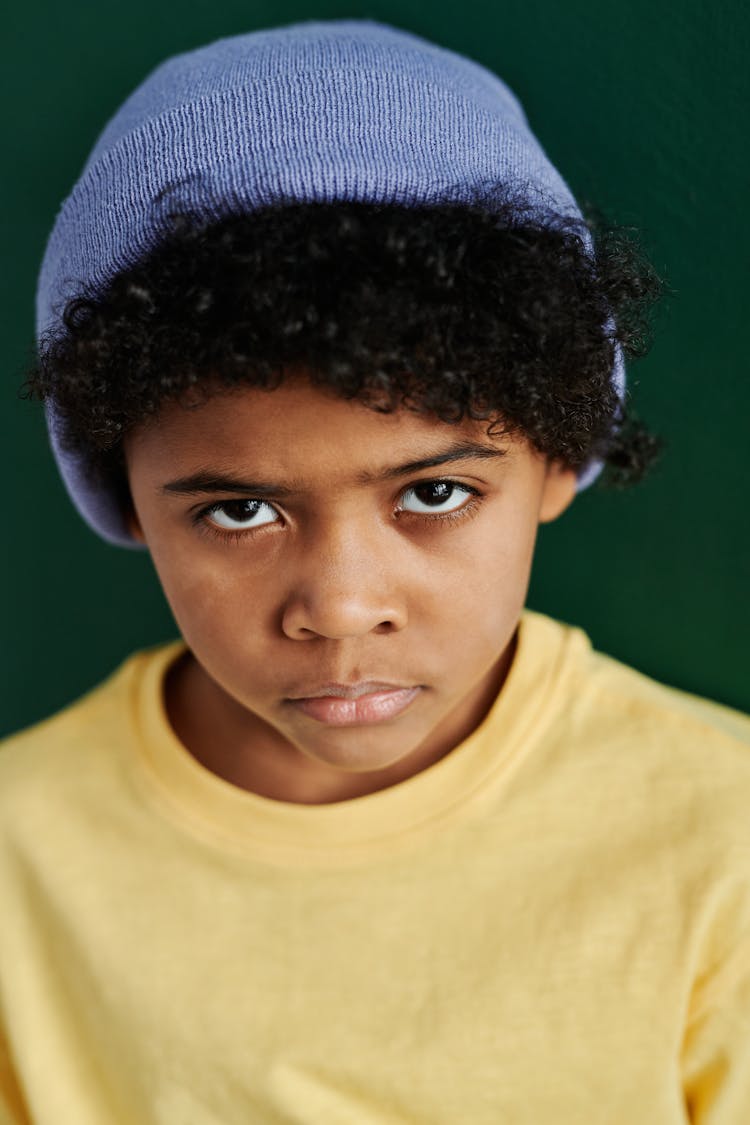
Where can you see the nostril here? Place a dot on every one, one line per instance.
(339, 618)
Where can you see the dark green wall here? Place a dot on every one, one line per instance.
(644, 108)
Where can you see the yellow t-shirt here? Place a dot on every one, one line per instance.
(550, 926)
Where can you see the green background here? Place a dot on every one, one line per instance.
(644, 108)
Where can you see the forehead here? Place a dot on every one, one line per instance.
(299, 431)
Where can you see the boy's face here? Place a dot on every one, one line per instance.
(301, 546)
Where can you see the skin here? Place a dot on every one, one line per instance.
(340, 580)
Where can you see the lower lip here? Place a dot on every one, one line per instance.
(373, 708)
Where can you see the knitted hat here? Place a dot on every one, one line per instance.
(320, 110)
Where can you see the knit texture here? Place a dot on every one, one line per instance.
(334, 110)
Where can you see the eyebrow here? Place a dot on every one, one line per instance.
(209, 481)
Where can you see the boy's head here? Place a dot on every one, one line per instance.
(341, 197)
(323, 328)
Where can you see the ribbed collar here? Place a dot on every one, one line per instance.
(378, 823)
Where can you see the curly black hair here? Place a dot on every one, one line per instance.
(480, 311)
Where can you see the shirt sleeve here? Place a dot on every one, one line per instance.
(716, 1050)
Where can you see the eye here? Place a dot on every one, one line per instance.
(240, 515)
(435, 497)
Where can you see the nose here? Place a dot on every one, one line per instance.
(343, 585)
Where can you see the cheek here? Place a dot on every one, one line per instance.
(499, 571)
(210, 600)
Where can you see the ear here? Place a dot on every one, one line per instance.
(134, 525)
(558, 492)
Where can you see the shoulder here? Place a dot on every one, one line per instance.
(655, 741)
(659, 780)
(618, 690)
(653, 705)
(660, 755)
(46, 761)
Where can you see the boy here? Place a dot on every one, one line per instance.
(323, 330)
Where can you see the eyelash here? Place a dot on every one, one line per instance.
(204, 525)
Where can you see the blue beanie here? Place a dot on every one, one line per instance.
(320, 110)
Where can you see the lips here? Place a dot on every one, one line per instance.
(349, 691)
(366, 702)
